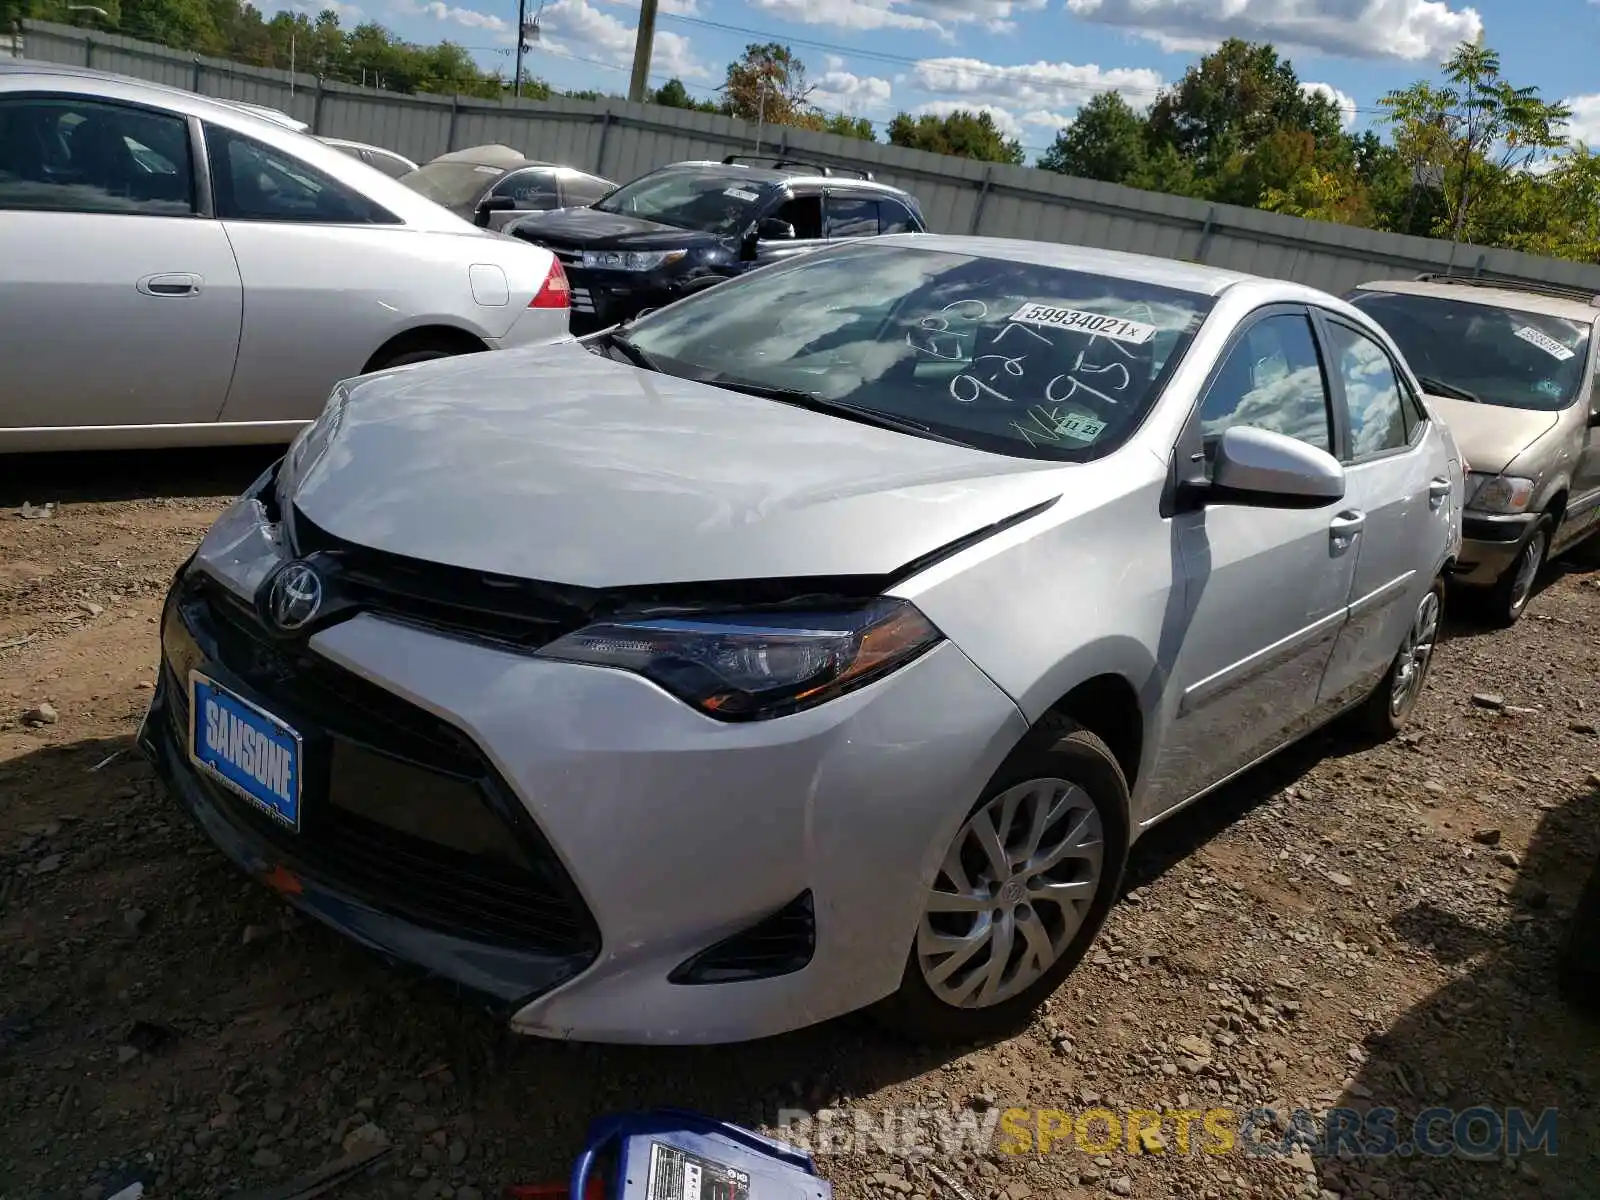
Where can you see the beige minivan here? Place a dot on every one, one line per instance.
(1510, 368)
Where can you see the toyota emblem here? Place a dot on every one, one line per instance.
(296, 596)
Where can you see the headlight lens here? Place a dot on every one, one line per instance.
(755, 666)
(631, 260)
(1506, 494)
(309, 446)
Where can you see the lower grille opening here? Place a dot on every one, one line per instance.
(399, 808)
(778, 945)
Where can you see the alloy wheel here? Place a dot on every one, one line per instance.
(1415, 654)
(1011, 894)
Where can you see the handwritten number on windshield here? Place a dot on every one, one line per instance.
(936, 336)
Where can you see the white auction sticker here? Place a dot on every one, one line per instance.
(1079, 427)
(740, 194)
(1054, 317)
(1545, 342)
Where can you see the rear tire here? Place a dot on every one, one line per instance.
(424, 347)
(1385, 713)
(1057, 811)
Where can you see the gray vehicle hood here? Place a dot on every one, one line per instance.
(553, 463)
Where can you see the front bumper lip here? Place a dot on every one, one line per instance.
(1489, 545)
(506, 978)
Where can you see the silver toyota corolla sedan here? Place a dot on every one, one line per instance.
(820, 641)
(176, 270)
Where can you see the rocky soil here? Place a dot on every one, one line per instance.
(1348, 926)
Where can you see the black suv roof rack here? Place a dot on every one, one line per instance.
(782, 164)
(1556, 290)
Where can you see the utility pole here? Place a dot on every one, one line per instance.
(643, 44)
(522, 41)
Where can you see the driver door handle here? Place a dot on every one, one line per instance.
(1438, 489)
(177, 283)
(1344, 527)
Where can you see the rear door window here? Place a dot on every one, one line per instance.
(852, 216)
(65, 154)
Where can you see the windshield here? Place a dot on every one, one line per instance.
(1011, 357)
(451, 184)
(1502, 356)
(704, 199)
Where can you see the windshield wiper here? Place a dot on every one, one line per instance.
(838, 408)
(1448, 389)
(637, 356)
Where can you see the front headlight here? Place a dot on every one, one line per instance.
(1503, 494)
(308, 447)
(754, 666)
(631, 260)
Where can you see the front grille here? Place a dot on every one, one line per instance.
(524, 614)
(398, 808)
(780, 944)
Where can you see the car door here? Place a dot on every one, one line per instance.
(531, 189)
(1264, 589)
(1583, 501)
(317, 260)
(119, 299)
(1396, 508)
(802, 208)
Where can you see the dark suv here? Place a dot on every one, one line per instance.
(690, 225)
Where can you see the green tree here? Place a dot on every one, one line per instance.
(672, 94)
(768, 84)
(1474, 136)
(962, 133)
(1230, 103)
(1105, 142)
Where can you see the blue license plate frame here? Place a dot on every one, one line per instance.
(262, 759)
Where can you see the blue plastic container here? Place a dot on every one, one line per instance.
(671, 1154)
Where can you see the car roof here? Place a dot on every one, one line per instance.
(790, 174)
(493, 155)
(1120, 264)
(1490, 296)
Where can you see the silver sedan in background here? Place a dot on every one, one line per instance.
(175, 270)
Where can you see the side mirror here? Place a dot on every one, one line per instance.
(1258, 468)
(771, 229)
(493, 204)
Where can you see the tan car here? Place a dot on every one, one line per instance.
(1510, 368)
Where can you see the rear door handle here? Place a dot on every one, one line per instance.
(1438, 489)
(1344, 527)
(172, 283)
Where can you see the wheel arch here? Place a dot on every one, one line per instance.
(420, 337)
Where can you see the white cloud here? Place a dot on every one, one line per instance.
(584, 31)
(1004, 121)
(927, 16)
(1041, 85)
(1342, 101)
(678, 8)
(467, 17)
(1404, 29)
(1584, 124)
(1048, 120)
(840, 91)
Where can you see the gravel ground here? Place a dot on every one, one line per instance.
(1347, 926)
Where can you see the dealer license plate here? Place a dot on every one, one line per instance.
(248, 749)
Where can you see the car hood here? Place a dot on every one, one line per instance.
(591, 229)
(1491, 435)
(553, 463)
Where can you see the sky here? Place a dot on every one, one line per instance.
(1031, 63)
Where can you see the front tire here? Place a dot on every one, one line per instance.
(1385, 713)
(1021, 894)
(1504, 603)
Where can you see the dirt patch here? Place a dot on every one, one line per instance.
(1344, 927)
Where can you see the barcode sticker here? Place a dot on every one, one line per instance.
(678, 1175)
(1077, 321)
(1545, 342)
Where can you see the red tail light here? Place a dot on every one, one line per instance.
(556, 292)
